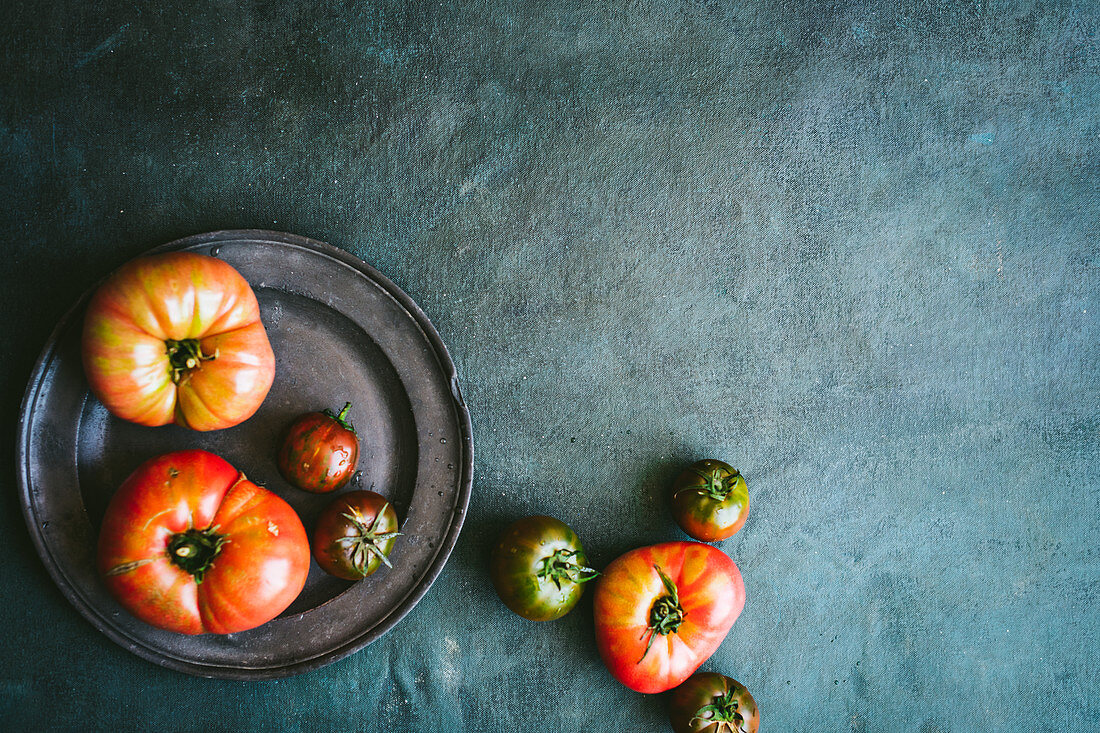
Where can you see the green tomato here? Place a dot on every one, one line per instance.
(710, 500)
(539, 568)
(712, 703)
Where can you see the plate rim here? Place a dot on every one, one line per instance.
(446, 543)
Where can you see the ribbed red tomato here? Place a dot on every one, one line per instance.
(188, 544)
(662, 610)
(177, 338)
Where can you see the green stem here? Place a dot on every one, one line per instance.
(563, 565)
(666, 614)
(722, 712)
(341, 417)
(195, 550)
(185, 355)
(717, 486)
(368, 542)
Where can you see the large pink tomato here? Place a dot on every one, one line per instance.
(177, 338)
(662, 610)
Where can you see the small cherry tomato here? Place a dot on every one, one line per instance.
(355, 535)
(538, 568)
(320, 451)
(713, 703)
(710, 500)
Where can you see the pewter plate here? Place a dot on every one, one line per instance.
(341, 332)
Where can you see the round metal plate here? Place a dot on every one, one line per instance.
(341, 332)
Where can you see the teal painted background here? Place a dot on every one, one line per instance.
(850, 248)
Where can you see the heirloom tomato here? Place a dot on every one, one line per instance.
(319, 451)
(177, 338)
(712, 703)
(188, 544)
(662, 610)
(710, 500)
(355, 535)
(539, 568)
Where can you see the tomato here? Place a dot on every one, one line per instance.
(177, 338)
(355, 535)
(189, 544)
(319, 451)
(710, 500)
(539, 568)
(712, 703)
(662, 610)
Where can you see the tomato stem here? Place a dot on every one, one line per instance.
(666, 614)
(562, 565)
(368, 541)
(341, 417)
(723, 712)
(195, 550)
(717, 486)
(185, 355)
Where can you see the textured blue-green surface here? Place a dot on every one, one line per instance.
(851, 248)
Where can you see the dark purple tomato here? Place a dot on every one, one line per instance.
(710, 500)
(319, 451)
(539, 568)
(355, 534)
(708, 702)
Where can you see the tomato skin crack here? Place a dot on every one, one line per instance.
(129, 567)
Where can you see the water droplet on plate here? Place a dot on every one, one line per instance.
(215, 251)
(442, 440)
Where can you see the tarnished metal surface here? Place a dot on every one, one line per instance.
(340, 332)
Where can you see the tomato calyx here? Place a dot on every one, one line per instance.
(341, 417)
(195, 550)
(717, 483)
(562, 565)
(185, 355)
(368, 541)
(666, 614)
(722, 713)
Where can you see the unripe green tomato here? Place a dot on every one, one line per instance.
(539, 568)
(710, 500)
(708, 702)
